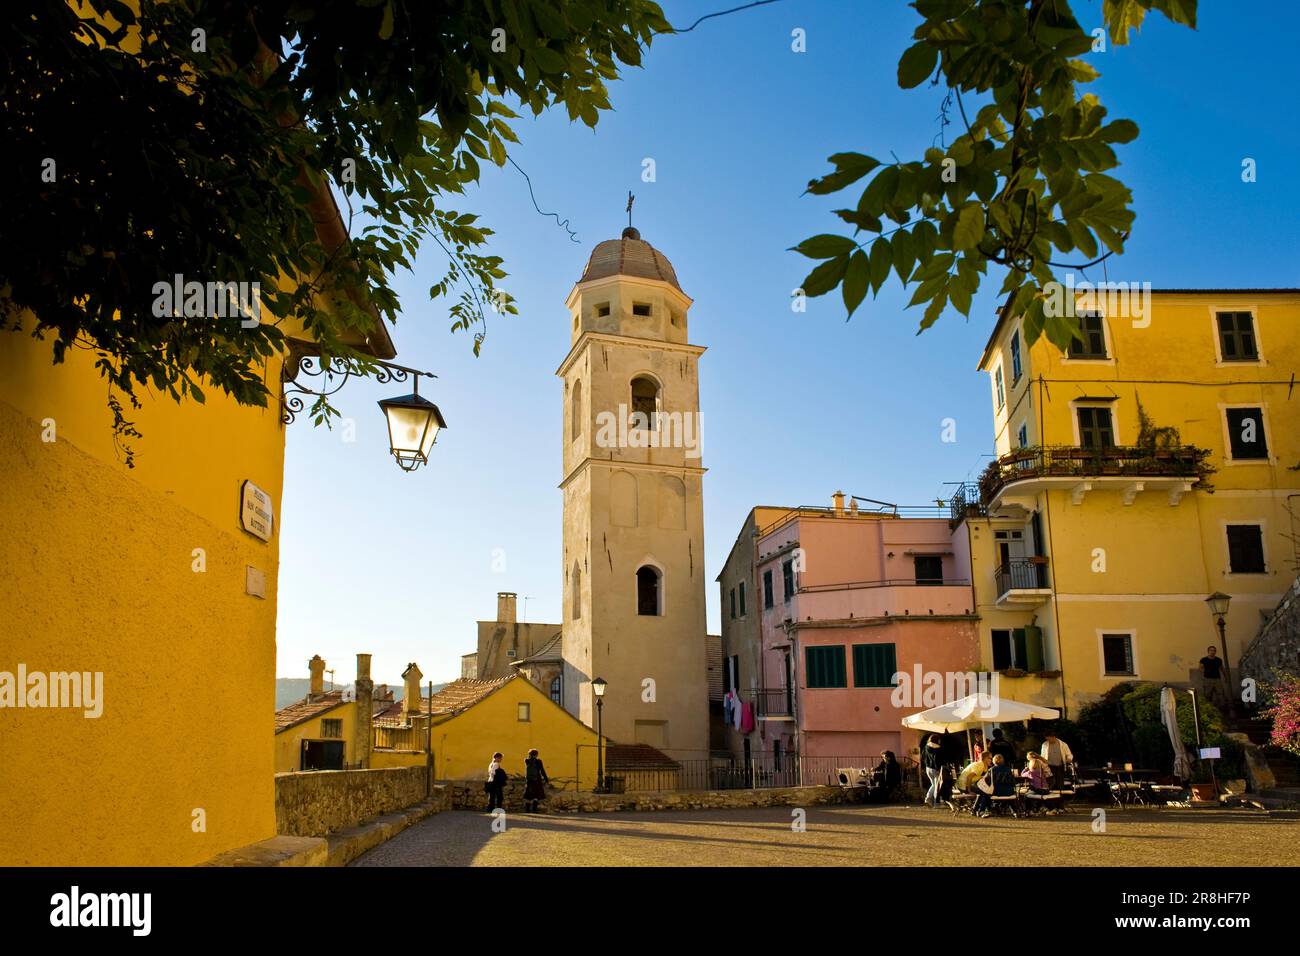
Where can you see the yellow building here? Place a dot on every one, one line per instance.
(472, 719)
(324, 731)
(159, 583)
(1145, 468)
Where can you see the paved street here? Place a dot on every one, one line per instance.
(841, 836)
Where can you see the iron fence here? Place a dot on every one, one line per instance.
(760, 771)
(1021, 573)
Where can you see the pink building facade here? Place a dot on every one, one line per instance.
(845, 599)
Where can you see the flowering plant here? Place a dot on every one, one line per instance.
(1283, 697)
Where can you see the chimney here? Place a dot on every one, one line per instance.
(317, 668)
(365, 712)
(506, 607)
(853, 506)
(411, 699)
(838, 498)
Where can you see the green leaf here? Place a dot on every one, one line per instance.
(916, 64)
(825, 277)
(880, 261)
(969, 228)
(386, 24)
(825, 246)
(904, 254)
(856, 279)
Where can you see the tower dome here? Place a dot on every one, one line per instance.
(629, 255)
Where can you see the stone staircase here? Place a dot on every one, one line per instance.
(1285, 767)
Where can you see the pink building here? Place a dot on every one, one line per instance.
(827, 607)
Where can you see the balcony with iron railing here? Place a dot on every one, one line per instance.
(1012, 481)
(773, 703)
(1022, 582)
(892, 597)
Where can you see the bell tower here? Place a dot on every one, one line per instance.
(634, 611)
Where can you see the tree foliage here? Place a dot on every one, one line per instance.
(189, 137)
(1023, 186)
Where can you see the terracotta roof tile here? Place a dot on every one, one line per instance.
(455, 697)
(306, 709)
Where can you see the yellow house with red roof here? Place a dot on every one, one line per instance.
(472, 719)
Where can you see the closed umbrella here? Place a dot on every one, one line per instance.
(1169, 717)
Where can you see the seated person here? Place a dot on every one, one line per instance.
(1037, 773)
(888, 774)
(973, 772)
(1004, 785)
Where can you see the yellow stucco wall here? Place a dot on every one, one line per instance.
(99, 577)
(1161, 560)
(288, 742)
(463, 745)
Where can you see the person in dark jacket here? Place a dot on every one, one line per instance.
(932, 764)
(535, 780)
(886, 778)
(495, 786)
(1000, 745)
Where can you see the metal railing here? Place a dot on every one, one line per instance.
(965, 503)
(399, 738)
(1067, 461)
(761, 771)
(1021, 574)
(774, 702)
(886, 583)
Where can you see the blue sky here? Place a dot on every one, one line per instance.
(794, 405)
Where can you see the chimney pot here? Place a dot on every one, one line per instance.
(316, 667)
(838, 499)
(506, 601)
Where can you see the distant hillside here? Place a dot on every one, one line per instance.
(290, 689)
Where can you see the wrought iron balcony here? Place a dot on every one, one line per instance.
(774, 703)
(1022, 581)
(1130, 470)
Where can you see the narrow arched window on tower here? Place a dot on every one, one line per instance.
(575, 598)
(576, 431)
(645, 402)
(648, 584)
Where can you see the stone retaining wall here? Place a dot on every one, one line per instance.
(1278, 643)
(325, 801)
(471, 797)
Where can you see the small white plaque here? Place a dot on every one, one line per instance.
(1211, 753)
(256, 582)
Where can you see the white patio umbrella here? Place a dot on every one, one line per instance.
(974, 710)
(1169, 717)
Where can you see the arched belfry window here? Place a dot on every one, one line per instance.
(645, 402)
(649, 587)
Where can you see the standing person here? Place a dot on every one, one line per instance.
(1212, 676)
(1000, 745)
(1057, 754)
(932, 762)
(495, 786)
(535, 779)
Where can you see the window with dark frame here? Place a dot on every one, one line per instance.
(929, 568)
(733, 604)
(330, 727)
(1022, 436)
(825, 666)
(1015, 357)
(1246, 549)
(555, 690)
(741, 591)
(874, 665)
(1246, 438)
(787, 579)
(1117, 655)
(767, 589)
(1237, 337)
(1092, 343)
(1002, 392)
(1096, 429)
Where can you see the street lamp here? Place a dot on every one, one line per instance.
(598, 688)
(1218, 604)
(413, 426)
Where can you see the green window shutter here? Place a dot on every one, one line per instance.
(874, 665)
(825, 667)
